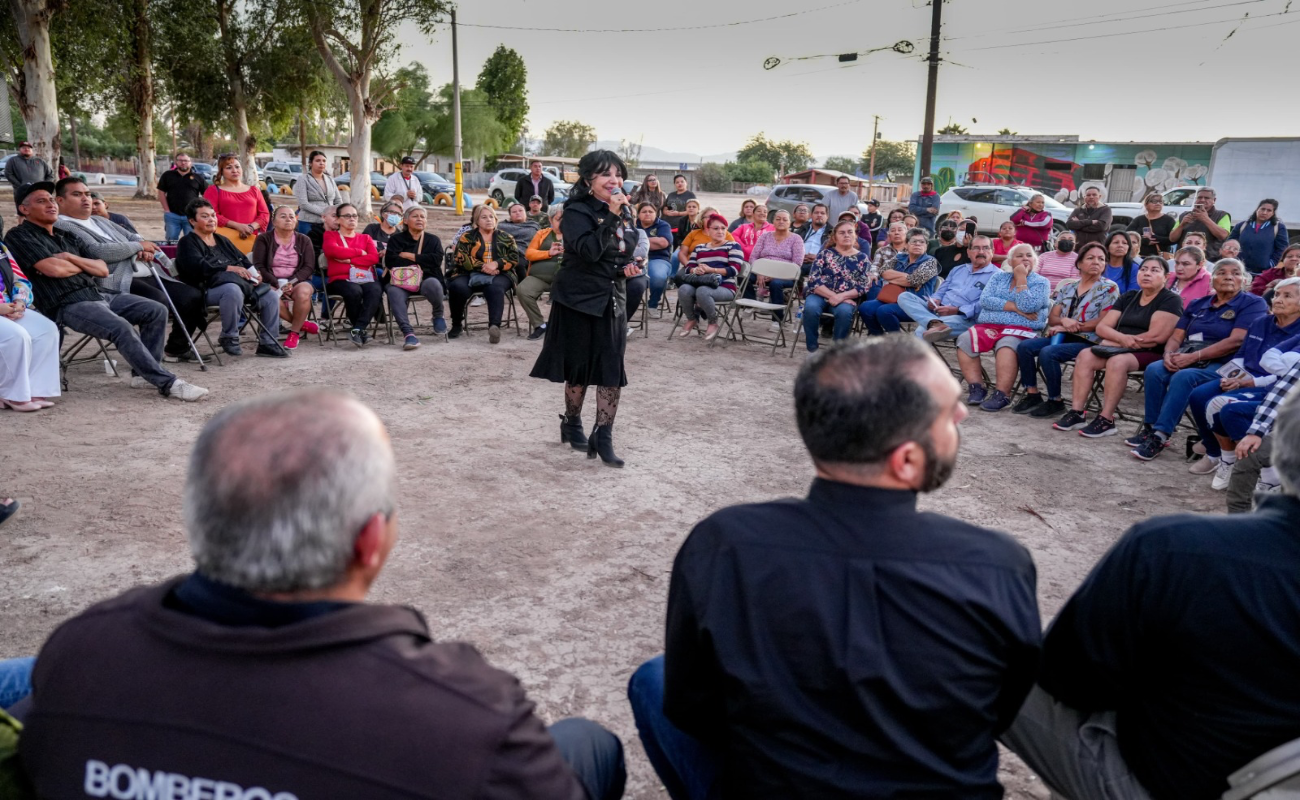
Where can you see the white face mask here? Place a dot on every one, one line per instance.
(961, 237)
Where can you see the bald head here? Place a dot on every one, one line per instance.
(279, 487)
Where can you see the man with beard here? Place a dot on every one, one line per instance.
(846, 645)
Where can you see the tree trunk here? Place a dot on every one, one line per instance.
(142, 96)
(302, 137)
(76, 144)
(37, 99)
(245, 142)
(359, 152)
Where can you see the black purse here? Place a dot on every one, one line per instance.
(687, 278)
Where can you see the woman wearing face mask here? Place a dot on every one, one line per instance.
(951, 253)
(390, 216)
(1033, 223)
(1153, 226)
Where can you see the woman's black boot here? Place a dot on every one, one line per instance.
(602, 443)
(571, 432)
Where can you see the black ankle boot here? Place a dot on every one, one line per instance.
(602, 443)
(571, 432)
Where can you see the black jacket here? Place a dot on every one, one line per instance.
(204, 267)
(429, 259)
(545, 190)
(592, 262)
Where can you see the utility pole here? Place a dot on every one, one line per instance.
(871, 168)
(931, 87)
(455, 116)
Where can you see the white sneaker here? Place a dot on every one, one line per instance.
(1267, 488)
(187, 392)
(478, 301)
(775, 327)
(1204, 466)
(138, 382)
(1222, 475)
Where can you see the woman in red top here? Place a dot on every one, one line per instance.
(240, 207)
(350, 258)
(1005, 241)
(1034, 223)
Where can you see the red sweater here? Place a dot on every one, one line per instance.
(242, 207)
(360, 250)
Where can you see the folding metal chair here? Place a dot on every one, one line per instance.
(72, 355)
(413, 314)
(772, 269)
(1274, 775)
(509, 314)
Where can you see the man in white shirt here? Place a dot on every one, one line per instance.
(404, 184)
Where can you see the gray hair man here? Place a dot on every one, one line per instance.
(1174, 664)
(266, 670)
(1207, 219)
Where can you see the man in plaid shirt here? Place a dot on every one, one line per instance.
(1253, 471)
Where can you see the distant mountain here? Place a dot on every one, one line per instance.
(650, 153)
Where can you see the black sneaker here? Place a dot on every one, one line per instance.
(1048, 408)
(357, 338)
(231, 347)
(1151, 447)
(456, 331)
(537, 333)
(1073, 420)
(976, 394)
(1027, 403)
(272, 351)
(1099, 427)
(1138, 438)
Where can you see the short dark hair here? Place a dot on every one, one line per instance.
(192, 210)
(60, 188)
(679, 175)
(640, 206)
(595, 163)
(820, 205)
(312, 155)
(856, 403)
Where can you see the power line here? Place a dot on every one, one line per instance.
(1122, 33)
(1079, 22)
(657, 29)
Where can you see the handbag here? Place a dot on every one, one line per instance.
(1110, 350)
(408, 277)
(242, 244)
(685, 278)
(889, 293)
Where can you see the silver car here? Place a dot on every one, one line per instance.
(785, 198)
(993, 204)
(282, 173)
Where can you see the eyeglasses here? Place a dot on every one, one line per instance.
(348, 216)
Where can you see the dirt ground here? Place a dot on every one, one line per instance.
(555, 566)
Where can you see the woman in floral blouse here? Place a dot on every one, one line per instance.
(837, 280)
(1077, 306)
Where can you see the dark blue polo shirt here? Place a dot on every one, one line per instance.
(1216, 324)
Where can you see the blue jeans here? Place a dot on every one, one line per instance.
(918, 308)
(15, 680)
(813, 307)
(304, 228)
(777, 289)
(1041, 353)
(114, 321)
(1201, 398)
(1168, 393)
(686, 767)
(176, 225)
(594, 754)
(658, 269)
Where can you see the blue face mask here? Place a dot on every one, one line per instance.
(393, 219)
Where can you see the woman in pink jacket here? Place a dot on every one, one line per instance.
(1033, 223)
(350, 258)
(748, 233)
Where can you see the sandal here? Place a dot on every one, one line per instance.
(8, 509)
(28, 406)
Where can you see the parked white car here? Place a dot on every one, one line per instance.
(993, 204)
(282, 173)
(502, 187)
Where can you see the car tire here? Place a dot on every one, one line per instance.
(442, 199)
(498, 196)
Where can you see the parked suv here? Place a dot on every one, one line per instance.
(282, 173)
(502, 187)
(993, 204)
(785, 198)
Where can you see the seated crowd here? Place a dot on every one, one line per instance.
(811, 650)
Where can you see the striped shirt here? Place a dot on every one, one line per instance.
(1266, 414)
(30, 243)
(727, 256)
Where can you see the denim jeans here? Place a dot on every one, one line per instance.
(1168, 393)
(659, 269)
(686, 767)
(881, 318)
(918, 308)
(594, 754)
(176, 225)
(1041, 353)
(430, 289)
(15, 680)
(636, 289)
(777, 289)
(814, 305)
(230, 299)
(113, 320)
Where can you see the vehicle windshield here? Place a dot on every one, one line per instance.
(1180, 197)
(295, 167)
(431, 176)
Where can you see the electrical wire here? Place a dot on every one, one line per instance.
(1120, 33)
(1077, 22)
(657, 29)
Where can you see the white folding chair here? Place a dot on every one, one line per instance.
(771, 269)
(1274, 775)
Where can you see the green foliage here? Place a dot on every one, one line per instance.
(784, 157)
(712, 177)
(1007, 132)
(504, 84)
(481, 131)
(841, 164)
(403, 129)
(751, 171)
(568, 139)
(953, 129)
(893, 159)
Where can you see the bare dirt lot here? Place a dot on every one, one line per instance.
(555, 566)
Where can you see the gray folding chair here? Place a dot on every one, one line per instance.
(773, 269)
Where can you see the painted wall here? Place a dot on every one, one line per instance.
(1058, 168)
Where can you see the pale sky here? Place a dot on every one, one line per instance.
(1041, 67)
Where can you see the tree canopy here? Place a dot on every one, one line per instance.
(893, 159)
(568, 139)
(784, 156)
(503, 83)
(841, 164)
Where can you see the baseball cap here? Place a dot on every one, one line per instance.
(873, 202)
(536, 197)
(848, 212)
(21, 193)
(408, 160)
(24, 144)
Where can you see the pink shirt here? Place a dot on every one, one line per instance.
(1057, 266)
(747, 237)
(285, 261)
(1196, 288)
(791, 249)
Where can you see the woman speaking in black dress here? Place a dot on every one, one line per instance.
(587, 331)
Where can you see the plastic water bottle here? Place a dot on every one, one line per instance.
(110, 366)
(798, 316)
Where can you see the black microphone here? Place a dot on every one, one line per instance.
(626, 211)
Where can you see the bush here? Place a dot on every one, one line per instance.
(751, 171)
(712, 177)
